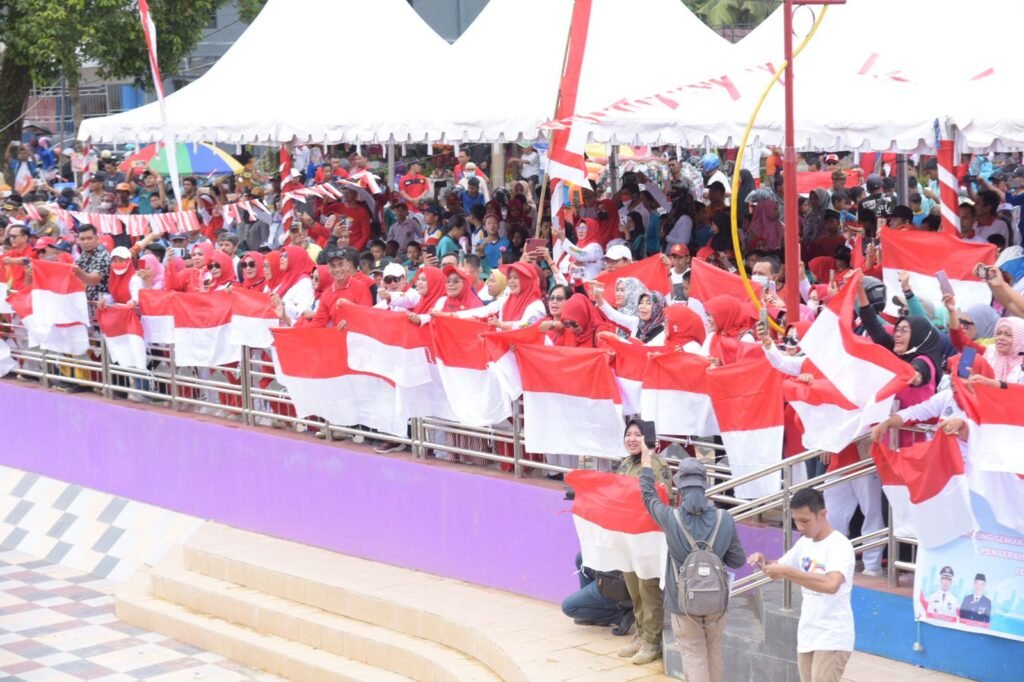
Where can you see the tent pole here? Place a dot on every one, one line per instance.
(392, 180)
(901, 179)
(497, 165)
(791, 219)
(613, 168)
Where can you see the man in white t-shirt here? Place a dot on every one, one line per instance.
(821, 562)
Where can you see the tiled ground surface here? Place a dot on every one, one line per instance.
(58, 624)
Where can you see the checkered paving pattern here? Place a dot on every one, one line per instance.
(59, 624)
(87, 530)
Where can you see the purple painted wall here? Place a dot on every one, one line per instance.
(484, 529)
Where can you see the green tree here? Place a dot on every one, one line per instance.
(46, 40)
(732, 12)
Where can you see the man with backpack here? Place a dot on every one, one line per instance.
(702, 541)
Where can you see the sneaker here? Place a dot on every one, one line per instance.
(648, 653)
(873, 572)
(632, 648)
(385, 448)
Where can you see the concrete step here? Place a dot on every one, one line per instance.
(290, 659)
(412, 657)
(518, 639)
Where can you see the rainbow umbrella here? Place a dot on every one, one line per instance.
(194, 158)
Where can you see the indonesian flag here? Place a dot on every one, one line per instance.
(571, 404)
(860, 369)
(58, 297)
(747, 397)
(475, 393)
(156, 316)
(71, 339)
(1001, 491)
(616, 533)
(287, 204)
(122, 334)
(675, 395)
(831, 422)
(927, 488)
(566, 158)
(708, 281)
(252, 318)
(310, 362)
(995, 425)
(651, 271)
(501, 359)
(628, 362)
(386, 343)
(922, 254)
(202, 324)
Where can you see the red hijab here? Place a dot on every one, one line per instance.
(683, 325)
(731, 317)
(603, 231)
(118, 285)
(324, 279)
(588, 319)
(467, 298)
(435, 289)
(299, 267)
(227, 270)
(529, 291)
(258, 282)
(821, 266)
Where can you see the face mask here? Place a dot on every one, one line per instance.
(470, 174)
(759, 279)
(119, 270)
(105, 205)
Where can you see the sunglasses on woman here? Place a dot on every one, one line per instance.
(556, 298)
(390, 279)
(214, 266)
(248, 264)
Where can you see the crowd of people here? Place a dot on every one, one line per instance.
(450, 244)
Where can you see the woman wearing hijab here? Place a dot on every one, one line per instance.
(430, 285)
(495, 286)
(1003, 355)
(191, 278)
(288, 280)
(552, 324)
(150, 274)
(978, 322)
(122, 280)
(814, 221)
(729, 323)
(253, 277)
(586, 253)
(585, 321)
(524, 304)
(651, 313)
(222, 271)
(625, 314)
(765, 227)
(458, 294)
(684, 329)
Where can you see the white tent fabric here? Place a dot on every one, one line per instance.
(271, 87)
(863, 82)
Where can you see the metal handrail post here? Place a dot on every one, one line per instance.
(245, 378)
(517, 440)
(787, 534)
(893, 549)
(173, 368)
(45, 378)
(108, 392)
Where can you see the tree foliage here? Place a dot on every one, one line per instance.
(732, 12)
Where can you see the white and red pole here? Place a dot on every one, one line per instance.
(949, 189)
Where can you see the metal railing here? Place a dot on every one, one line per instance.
(249, 393)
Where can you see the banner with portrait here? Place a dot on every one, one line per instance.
(974, 584)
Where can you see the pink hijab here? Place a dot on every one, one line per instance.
(153, 263)
(1005, 364)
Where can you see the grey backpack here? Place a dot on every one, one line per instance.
(702, 585)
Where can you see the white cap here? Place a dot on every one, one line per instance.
(618, 252)
(121, 252)
(394, 270)
(106, 154)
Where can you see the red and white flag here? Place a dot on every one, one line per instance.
(922, 254)
(708, 281)
(571, 403)
(860, 369)
(616, 533)
(566, 159)
(156, 315)
(628, 364)
(747, 398)
(995, 425)
(310, 363)
(71, 339)
(675, 396)
(475, 393)
(927, 489)
(1001, 491)
(651, 271)
(122, 334)
(202, 323)
(287, 208)
(58, 297)
(252, 318)
(831, 422)
(386, 343)
(503, 361)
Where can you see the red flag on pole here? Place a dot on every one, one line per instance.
(568, 143)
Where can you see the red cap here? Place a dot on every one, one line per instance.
(831, 157)
(44, 242)
(705, 252)
(679, 250)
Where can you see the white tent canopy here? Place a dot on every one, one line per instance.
(271, 87)
(863, 82)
